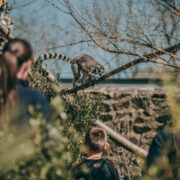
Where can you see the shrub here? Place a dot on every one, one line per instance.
(52, 148)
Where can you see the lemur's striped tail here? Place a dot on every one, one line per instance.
(54, 56)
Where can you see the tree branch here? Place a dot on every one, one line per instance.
(165, 52)
(126, 66)
(65, 45)
(8, 35)
(57, 7)
(166, 64)
(128, 145)
(89, 34)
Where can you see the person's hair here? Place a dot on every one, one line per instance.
(8, 72)
(20, 48)
(95, 139)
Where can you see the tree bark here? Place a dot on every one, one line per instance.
(148, 58)
(128, 145)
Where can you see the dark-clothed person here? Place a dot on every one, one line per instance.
(96, 167)
(99, 169)
(15, 95)
(164, 141)
(163, 161)
(31, 97)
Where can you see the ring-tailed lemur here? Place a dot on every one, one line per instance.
(83, 63)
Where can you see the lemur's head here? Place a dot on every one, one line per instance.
(98, 70)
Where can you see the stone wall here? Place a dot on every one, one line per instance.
(136, 114)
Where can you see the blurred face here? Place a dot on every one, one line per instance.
(17, 49)
(24, 71)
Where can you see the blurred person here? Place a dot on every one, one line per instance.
(98, 168)
(21, 51)
(164, 155)
(8, 80)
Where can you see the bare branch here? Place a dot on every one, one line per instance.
(165, 52)
(173, 7)
(65, 45)
(162, 5)
(97, 39)
(169, 7)
(123, 141)
(150, 56)
(90, 36)
(57, 7)
(165, 64)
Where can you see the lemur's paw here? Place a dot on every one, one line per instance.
(94, 78)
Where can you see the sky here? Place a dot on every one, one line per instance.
(43, 17)
(41, 23)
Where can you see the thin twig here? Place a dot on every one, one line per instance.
(150, 56)
(66, 45)
(173, 7)
(89, 34)
(57, 7)
(125, 159)
(166, 64)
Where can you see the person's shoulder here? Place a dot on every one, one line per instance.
(78, 164)
(25, 89)
(109, 163)
(37, 93)
(162, 137)
(110, 170)
(32, 96)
